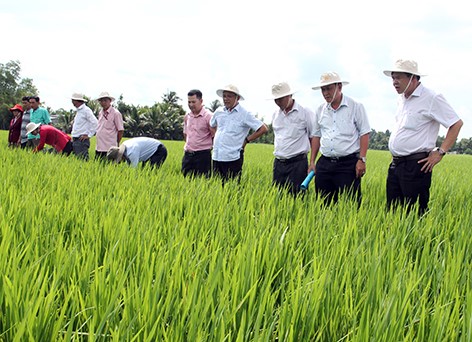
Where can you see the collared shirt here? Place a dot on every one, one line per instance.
(417, 122)
(41, 116)
(24, 121)
(232, 128)
(140, 149)
(340, 129)
(197, 131)
(85, 123)
(110, 121)
(52, 136)
(292, 131)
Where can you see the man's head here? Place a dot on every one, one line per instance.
(25, 102)
(105, 100)
(33, 128)
(230, 95)
(405, 76)
(282, 95)
(34, 102)
(115, 153)
(195, 101)
(78, 99)
(331, 86)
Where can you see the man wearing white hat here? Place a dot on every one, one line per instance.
(84, 126)
(412, 143)
(232, 123)
(140, 149)
(342, 135)
(293, 130)
(110, 126)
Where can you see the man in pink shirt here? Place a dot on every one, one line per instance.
(52, 136)
(110, 126)
(198, 137)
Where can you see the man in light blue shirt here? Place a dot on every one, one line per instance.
(39, 115)
(342, 135)
(142, 149)
(232, 123)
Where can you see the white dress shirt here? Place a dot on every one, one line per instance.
(85, 123)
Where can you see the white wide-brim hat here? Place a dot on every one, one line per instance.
(329, 78)
(31, 127)
(404, 65)
(105, 94)
(280, 90)
(232, 88)
(116, 153)
(78, 97)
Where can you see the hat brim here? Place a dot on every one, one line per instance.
(319, 86)
(76, 99)
(219, 92)
(389, 72)
(106, 97)
(119, 154)
(33, 129)
(282, 95)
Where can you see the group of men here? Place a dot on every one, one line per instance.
(338, 130)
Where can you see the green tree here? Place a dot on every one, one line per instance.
(214, 105)
(64, 119)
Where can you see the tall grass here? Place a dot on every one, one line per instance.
(106, 252)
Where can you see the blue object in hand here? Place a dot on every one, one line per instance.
(307, 180)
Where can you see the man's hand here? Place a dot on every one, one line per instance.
(429, 162)
(360, 169)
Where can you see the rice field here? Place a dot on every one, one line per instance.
(101, 252)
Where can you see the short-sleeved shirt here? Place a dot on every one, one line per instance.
(340, 129)
(39, 116)
(417, 122)
(140, 149)
(110, 121)
(198, 132)
(24, 121)
(292, 131)
(52, 136)
(232, 127)
(85, 123)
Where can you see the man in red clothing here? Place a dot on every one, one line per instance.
(51, 136)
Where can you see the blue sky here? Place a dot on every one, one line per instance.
(143, 48)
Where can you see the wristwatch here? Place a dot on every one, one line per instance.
(363, 159)
(440, 151)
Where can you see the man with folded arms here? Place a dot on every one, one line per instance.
(293, 131)
(198, 137)
(342, 135)
(84, 127)
(412, 143)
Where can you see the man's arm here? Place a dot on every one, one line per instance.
(254, 136)
(364, 145)
(315, 148)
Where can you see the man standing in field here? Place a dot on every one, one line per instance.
(342, 135)
(52, 136)
(25, 119)
(141, 149)
(198, 137)
(39, 115)
(293, 131)
(110, 126)
(232, 123)
(84, 127)
(412, 143)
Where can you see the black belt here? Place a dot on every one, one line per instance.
(341, 159)
(414, 156)
(195, 153)
(293, 159)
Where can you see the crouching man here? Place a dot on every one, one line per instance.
(135, 150)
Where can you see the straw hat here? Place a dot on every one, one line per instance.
(116, 153)
(281, 89)
(232, 88)
(105, 94)
(78, 97)
(329, 78)
(17, 107)
(404, 65)
(31, 127)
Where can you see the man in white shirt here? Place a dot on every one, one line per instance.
(293, 130)
(412, 143)
(342, 135)
(141, 149)
(84, 126)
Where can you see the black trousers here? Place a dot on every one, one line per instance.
(68, 148)
(336, 175)
(100, 155)
(158, 158)
(290, 173)
(229, 170)
(407, 185)
(197, 163)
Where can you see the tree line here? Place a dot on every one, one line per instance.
(163, 120)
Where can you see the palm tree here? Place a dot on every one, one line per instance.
(214, 105)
